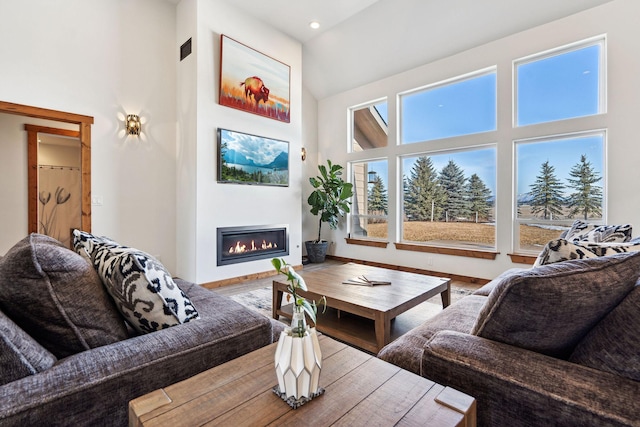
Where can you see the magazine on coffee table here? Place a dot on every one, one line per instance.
(363, 281)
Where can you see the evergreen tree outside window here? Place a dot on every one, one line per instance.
(378, 200)
(480, 199)
(448, 199)
(546, 193)
(558, 180)
(586, 200)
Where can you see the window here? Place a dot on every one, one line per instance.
(561, 84)
(370, 201)
(463, 106)
(449, 198)
(369, 127)
(558, 180)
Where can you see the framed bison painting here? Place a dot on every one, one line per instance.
(252, 159)
(252, 81)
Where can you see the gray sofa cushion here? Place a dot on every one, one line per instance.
(20, 355)
(551, 308)
(55, 296)
(485, 290)
(613, 345)
(142, 288)
(406, 351)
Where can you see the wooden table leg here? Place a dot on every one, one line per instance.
(383, 329)
(446, 295)
(277, 301)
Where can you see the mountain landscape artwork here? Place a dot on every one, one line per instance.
(252, 159)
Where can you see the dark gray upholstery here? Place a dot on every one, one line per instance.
(56, 296)
(406, 351)
(20, 355)
(514, 386)
(517, 387)
(93, 387)
(614, 344)
(549, 309)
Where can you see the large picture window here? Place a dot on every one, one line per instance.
(558, 180)
(449, 198)
(462, 106)
(443, 194)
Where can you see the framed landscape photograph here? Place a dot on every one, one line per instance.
(253, 82)
(252, 159)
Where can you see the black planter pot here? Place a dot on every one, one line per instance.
(316, 252)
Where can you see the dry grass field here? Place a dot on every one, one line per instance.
(464, 232)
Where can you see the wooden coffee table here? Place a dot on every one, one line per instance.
(360, 390)
(381, 303)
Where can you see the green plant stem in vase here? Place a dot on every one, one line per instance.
(300, 305)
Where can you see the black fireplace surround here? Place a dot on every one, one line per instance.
(251, 243)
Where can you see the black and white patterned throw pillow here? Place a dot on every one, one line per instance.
(582, 231)
(142, 288)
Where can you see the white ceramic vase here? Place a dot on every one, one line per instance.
(298, 361)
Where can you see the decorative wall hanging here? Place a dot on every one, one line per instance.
(251, 159)
(252, 81)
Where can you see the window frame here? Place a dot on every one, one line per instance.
(451, 151)
(600, 40)
(351, 123)
(351, 216)
(442, 83)
(565, 223)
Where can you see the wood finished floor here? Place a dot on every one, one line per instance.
(251, 285)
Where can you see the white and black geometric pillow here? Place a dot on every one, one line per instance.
(141, 287)
(558, 250)
(582, 231)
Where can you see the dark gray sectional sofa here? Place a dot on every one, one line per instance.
(556, 345)
(97, 370)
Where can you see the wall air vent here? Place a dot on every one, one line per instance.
(185, 49)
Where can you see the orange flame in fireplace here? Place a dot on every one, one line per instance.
(239, 248)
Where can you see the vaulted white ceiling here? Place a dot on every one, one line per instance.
(361, 41)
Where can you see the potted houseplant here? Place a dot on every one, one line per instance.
(329, 201)
(298, 359)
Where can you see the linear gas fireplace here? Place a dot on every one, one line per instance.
(242, 244)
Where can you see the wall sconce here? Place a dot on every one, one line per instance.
(132, 124)
(303, 154)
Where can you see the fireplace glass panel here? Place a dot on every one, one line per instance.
(242, 244)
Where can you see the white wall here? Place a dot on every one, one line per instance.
(617, 19)
(102, 58)
(223, 205)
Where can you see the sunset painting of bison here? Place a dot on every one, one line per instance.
(253, 82)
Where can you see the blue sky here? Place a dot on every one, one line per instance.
(560, 86)
(562, 154)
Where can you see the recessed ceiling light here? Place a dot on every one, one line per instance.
(314, 24)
